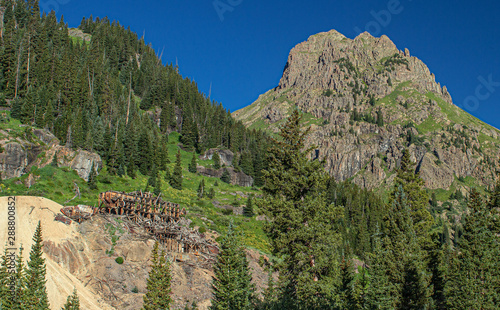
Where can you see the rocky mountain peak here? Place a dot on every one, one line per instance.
(344, 86)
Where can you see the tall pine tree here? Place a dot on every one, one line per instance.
(36, 291)
(474, 272)
(176, 177)
(303, 230)
(158, 283)
(231, 284)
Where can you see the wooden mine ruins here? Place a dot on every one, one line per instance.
(160, 218)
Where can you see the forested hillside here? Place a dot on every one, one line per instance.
(91, 90)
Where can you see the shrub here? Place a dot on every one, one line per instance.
(328, 93)
(202, 230)
(119, 260)
(135, 290)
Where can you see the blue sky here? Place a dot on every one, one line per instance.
(240, 47)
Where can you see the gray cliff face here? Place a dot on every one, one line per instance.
(13, 160)
(340, 84)
(18, 157)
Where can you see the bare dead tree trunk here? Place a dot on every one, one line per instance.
(28, 67)
(129, 98)
(18, 67)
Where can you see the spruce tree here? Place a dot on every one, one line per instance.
(4, 281)
(380, 118)
(216, 160)
(192, 164)
(92, 182)
(248, 209)
(176, 178)
(158, 283)
(201, 189)
(231, 284)
(54, 160)
(35, 274)
(474, 272)
(211, 193)
(226, 177)
(72, 302)
(400, 275)
(416, 197)
(302, 227)
(18, 296)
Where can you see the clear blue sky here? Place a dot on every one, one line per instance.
(241, 47)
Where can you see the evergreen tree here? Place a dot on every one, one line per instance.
(380, 118)
(231, 284)
(4, 281)
(157, 187)
(400, 276)
(302, 228)
(474, 272)
(248, 209)
(158, 283)
(192, 164)
(18, 296)
(201, 189)
(270, 301)
(438, 267)
(347, 285)
(246, 163)
(176, 178)
(54, 160)
(434, 202)
(216, 160)
(416, 197)
(72, 302)
(211, 193)
(226, 177)
(36, 291)
(92, 182)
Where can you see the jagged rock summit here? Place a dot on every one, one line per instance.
(366, 101)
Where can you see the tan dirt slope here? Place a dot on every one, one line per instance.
(60, 282)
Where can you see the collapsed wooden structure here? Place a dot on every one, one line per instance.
(159, 218)
(77, 213)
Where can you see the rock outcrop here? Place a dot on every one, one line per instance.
(237, 177)
(226, 156)
(344, 86)
(37, 148)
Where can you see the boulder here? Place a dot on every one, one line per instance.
(226, 156)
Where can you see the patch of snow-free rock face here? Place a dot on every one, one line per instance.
(17, 157)
(13, 160)
(329, 77)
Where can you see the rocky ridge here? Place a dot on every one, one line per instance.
(344, 86)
